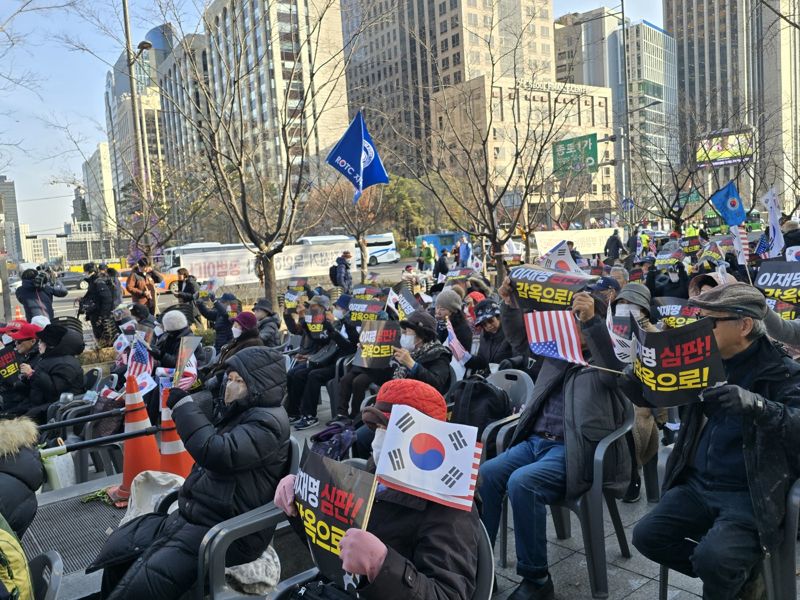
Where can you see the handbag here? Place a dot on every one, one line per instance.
(324, 356)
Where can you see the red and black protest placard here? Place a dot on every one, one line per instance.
(298, 284)
(364, 310)
(403, 303)
(316, 326)
(691, 245)
(366, 292)
(779, 280)
(675, 312)
(331, 497)
(636, 275)
(9, 365)
(675, 365)
(537, 288)
(711, 252)
(670, 258)
(786, 311)
(376, 344)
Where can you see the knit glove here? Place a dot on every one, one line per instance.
(175, 395)
(735, 400)
(362, 553)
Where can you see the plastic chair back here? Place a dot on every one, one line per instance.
(517, 384)
(484, 582)
(46, 573)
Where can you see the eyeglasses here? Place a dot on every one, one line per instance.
(715, 320)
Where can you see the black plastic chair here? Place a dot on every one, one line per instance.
(46, 572)
(589, 508)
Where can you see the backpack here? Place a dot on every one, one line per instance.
(334, 441)
(477, 402)
(333, 272)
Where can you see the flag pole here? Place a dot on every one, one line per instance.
(605, 369)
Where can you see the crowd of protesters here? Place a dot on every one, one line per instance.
(733, 460)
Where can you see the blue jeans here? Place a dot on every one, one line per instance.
(534, 473)
(703, 533)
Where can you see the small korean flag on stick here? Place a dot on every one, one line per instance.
(429, 458)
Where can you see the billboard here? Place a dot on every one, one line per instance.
(725, 149)
(575, 154)
(587, 241)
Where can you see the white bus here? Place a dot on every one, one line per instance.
(176, 257)
(310, 240)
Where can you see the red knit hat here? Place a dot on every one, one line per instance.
(410, 392)
(246, 320)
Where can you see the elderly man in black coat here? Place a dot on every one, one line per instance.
(240, 454)
(735, 458)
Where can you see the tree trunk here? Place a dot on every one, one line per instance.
(270, 284)
(362, 247)
(497, 251)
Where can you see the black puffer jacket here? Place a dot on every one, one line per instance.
(58, 372)
(239, 458)
(168, 345)
(21, 472)
(493, 348)
(37, 301)
(98, 300)
(432, 367)
(269, 330)
(219, 316)
(18, 389)
(187, 289)
(771, 441)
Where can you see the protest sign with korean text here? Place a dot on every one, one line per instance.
(316, 326)
(537, 288)
(711, 252)
(9, 366)
(291, 299)
(675, 365)
(364, 310)
(675, 312)
(377, 342)
(298, 284)
(403, 303)
(779, 280)
(331, 497)
(691, 245)
(786, 311)
(669, 258)
(365, 292)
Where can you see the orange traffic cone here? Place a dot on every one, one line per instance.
(174, 457)
(140, 453)
(18, 316)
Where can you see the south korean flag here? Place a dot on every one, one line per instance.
(430, 458)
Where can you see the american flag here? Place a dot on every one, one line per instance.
(740, 244)
(555, 333)
(763, 247)
(140, 360)
(457, 347)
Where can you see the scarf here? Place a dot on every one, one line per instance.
(428, 350)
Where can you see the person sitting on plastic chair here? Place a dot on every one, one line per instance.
(735, 458)
(548, 457)
(413, 548)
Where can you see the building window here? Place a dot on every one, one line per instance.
(472, 19)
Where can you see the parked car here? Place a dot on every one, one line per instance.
(73, 281)
(169, 284)
(14, 282)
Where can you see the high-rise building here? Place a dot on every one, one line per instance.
(39, 248)
(589, 51)
(10, 217)
(182, 76)
(99, 194)
(266, 85)
(79, 211)
(119, 120)
(402, 51)
(738, 73)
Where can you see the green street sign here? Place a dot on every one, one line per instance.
(575, 154)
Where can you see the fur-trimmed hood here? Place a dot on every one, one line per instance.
(16, 434)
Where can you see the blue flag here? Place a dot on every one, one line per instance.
(729, 204)
(356, 157)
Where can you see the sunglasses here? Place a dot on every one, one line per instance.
(715, 320)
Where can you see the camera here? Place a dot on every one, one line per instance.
(40, 280)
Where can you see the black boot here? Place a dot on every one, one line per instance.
(530, 590)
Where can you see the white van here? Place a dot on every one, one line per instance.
(382, 248)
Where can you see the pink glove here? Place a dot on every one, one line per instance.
(284, 495)
(362, 553)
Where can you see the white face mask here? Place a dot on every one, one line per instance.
(408, 342)
(338, 314)
(673, 276)
(377, 443)
(7, 340)
(236, 332)
(234, 390)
